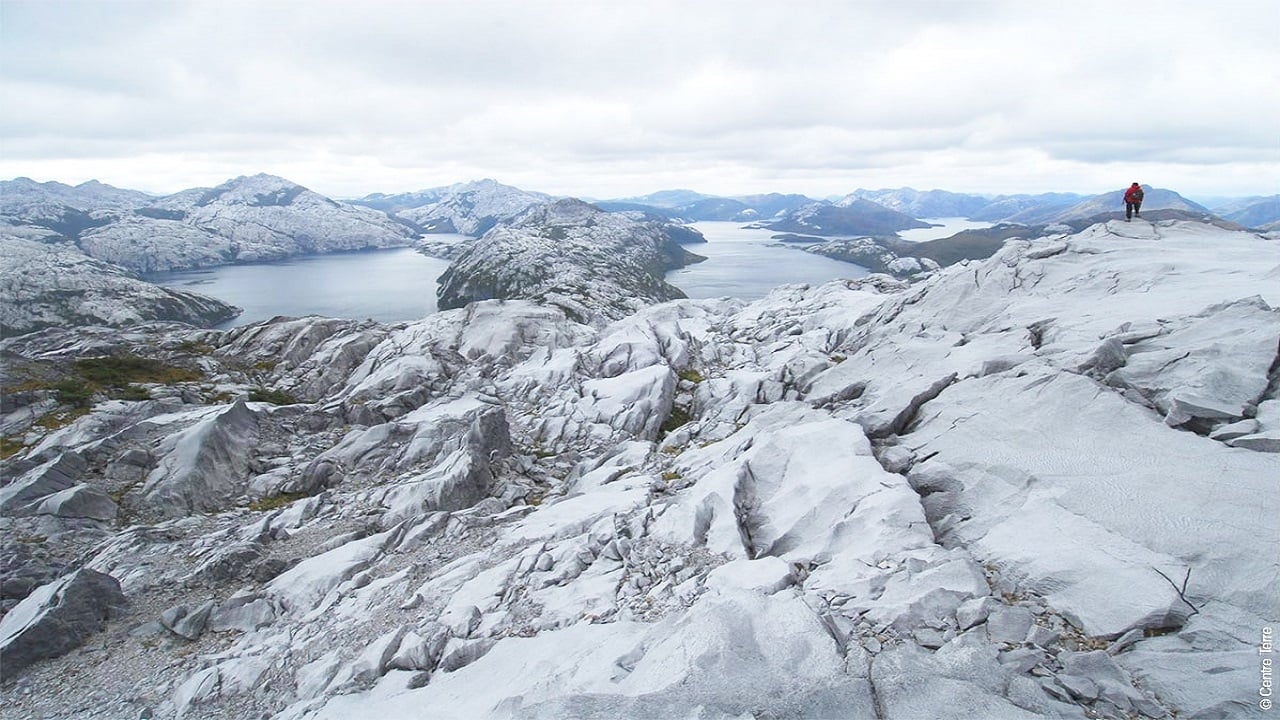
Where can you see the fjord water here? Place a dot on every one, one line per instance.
(747, 263)
(384, 285)
(400, 284)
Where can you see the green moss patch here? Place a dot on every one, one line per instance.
(275, 502)
(275, 397)
(9, 446)
(690, 375)
(117, 371)
(679, 416)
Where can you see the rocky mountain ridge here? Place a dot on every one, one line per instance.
(46, 285)
(247, 219)
(1029, 486)
(471, 208)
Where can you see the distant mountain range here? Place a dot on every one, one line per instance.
(785, 211)
(263, 217)
(466, 208)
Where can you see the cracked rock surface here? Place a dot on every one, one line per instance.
(1039, 485)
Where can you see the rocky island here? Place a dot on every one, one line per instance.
(570, 254)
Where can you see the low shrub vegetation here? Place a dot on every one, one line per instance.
(275, 397)
(117, 371)
(274, 502)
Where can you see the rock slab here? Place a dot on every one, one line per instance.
(57, 618)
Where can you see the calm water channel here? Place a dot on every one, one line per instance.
(400, 284)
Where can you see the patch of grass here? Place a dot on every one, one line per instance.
(679, 416)
(10, 447)
(28, 385)
(121, 370)
(57, 420)
(134, 392)
(74, 391)
(117, 376)
(275, 502)
(194, 347)
(691, 375)
(671, 476)
(118, 495)
(275, 397)
(265, 365)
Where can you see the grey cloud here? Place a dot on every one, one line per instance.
(745, 89)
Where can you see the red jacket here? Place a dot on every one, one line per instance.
(1133, 194)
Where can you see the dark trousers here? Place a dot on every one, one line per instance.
(1131, 209)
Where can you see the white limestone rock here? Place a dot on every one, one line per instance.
(57, 618)
(205, 466)
(150, 244)
(45, 286)
(304, 586)
(761, 558)
(1212, 366)
(79, 502)
(766, 575)
(26, 494)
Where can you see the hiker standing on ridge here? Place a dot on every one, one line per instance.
(1132, 201)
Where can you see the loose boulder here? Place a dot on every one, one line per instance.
(56, 618)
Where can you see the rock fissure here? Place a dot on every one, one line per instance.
(848, 555)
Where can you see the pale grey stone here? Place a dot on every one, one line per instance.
(81, 501)
(191, 625)
(245, 617)
(417, 652)
(1231, 431)
(1009, 624)
(23, 495)
(896, 459)
(172, 615)
(1021, 660)
(1114, 684)
(929, 638)
(206, 466)
(1081, 688)
(975, 610)
(56, 618)
(458, 653)
(1268, 442)
(1110, 355)
(1125, 641)
(1041, 636)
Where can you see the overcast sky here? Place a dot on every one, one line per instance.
(607, 99)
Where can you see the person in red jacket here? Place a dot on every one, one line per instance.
(1132, 201)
